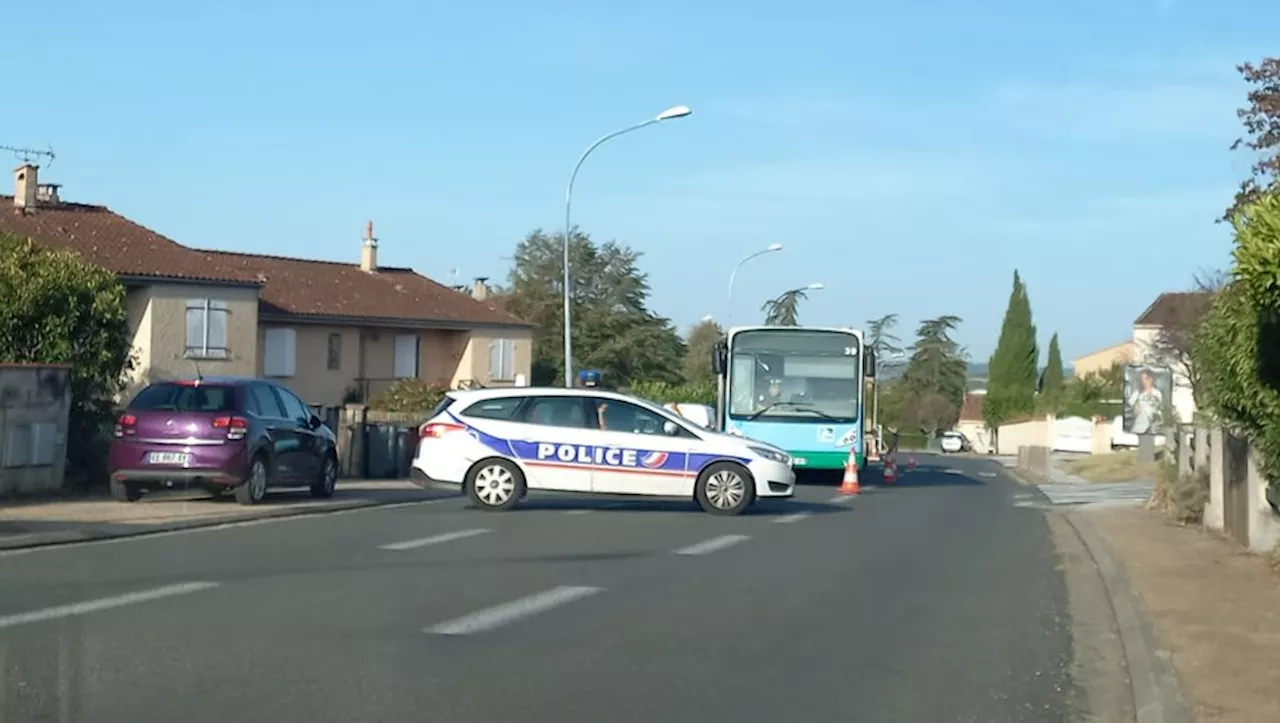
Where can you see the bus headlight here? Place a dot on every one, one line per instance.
(771, 454)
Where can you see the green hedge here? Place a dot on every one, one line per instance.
(662, 392)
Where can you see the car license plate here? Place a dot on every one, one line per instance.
(799, 461)
(168, 458)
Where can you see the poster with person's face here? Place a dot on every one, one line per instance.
(1147, 394)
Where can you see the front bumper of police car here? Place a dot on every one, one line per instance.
(772, 470)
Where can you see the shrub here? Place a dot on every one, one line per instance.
(409, 395)
(703, 392)
(57, 308)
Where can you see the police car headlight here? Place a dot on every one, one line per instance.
(771, 454)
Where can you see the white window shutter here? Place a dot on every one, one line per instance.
(406, 359)
(279, 354)
(495, 359)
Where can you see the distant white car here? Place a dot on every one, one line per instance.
(498, 444)
(952, 442)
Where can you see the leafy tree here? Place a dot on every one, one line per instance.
(1235, 345)
(613, 329)
(880, 337)
(1174, 344)
(57, 308)
(936, 371)
(1096, 394)
(1262, 133)
(1051, 382)
(1012, 370)
(698, 347)
(784, 310)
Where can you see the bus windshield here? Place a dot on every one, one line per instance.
(795, 375)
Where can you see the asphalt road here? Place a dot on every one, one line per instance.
(938, 599)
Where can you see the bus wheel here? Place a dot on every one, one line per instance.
(724, 489)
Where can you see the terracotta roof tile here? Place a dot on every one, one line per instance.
(289, 286)
(1175, 308)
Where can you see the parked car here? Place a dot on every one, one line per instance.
(953, 442)
(497, 444)
(221, 434)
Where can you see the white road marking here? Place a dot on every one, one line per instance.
(953, 471)
(793, 517)
(500, 615)
(712, 545)
(225, 526)
(987, 474)
(433, 540)
(838, 499)
(105, 603)
(576, 512)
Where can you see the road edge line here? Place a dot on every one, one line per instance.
(1157, 695)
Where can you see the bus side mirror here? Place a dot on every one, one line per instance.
(869, 364)
(718, 354)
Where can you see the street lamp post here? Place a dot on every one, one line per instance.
(678, 111)
(733, 275)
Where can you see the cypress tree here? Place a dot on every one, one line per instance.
(1013, 369)
(1051, 383)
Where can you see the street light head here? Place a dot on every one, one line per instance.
(678, 111)
(774, 247)
(815, 286)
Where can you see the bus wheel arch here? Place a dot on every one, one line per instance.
(724, 487)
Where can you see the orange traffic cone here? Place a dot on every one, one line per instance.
(849, 485)
(890, 473)
(911, 462)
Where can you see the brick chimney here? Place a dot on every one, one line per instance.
(369, 251)
(480, 290)
(26, 184)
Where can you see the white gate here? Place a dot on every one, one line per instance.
(1073, 434)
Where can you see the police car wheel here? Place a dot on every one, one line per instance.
(724, 488)
(495, 484)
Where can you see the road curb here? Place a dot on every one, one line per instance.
(1157, 697)
(161, 528)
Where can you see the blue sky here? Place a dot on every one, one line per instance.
(909, 155)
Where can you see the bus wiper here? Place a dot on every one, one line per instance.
(802, 406)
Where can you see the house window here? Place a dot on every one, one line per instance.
(207, 329)
(335, 351)
(406, 362)
(279, 353)
(502, 359)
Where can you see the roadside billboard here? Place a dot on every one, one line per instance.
(1148, 394)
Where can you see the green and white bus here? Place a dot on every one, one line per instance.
(798, 388)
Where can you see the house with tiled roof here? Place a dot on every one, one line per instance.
(1170, 309)
(333, 331)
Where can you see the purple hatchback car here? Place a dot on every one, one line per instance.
(220, 434)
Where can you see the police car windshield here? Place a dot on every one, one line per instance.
(795, 375)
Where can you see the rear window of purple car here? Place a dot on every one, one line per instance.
(176, 397)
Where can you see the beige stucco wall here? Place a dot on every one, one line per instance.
(474, 362)
(1103, 359)
(447, 357)
(137, 306)
(161, 333)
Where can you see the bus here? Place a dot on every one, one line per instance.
(798, 388)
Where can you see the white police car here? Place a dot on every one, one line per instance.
(500, 443)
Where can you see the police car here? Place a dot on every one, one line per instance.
(500, 443)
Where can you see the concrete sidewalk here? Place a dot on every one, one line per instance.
(37, 524)
(1215, 608)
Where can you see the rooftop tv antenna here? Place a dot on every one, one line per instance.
(27, 155)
